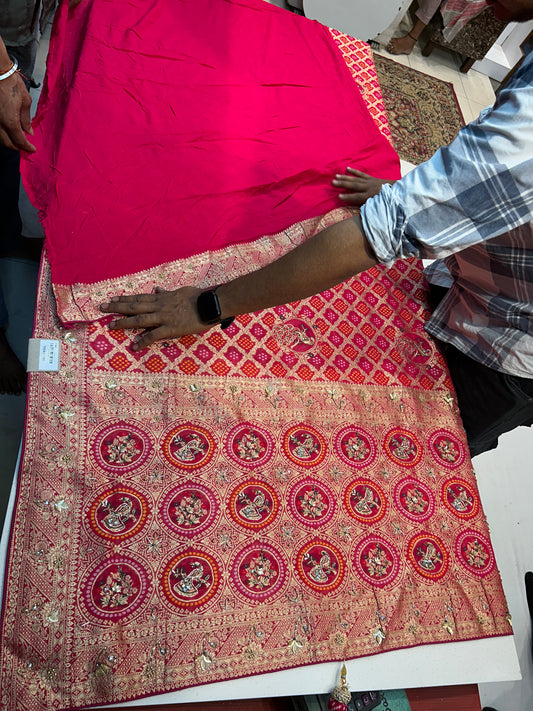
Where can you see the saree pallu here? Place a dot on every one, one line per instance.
(181, 126)
(292, 490)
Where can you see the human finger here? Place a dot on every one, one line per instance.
(23, 144)
(133, 304)
(357, 173)
(344, 181)
(6, 140)
(149, 320)
(148, 337)
(18, 139)
(25, 115)
(351, 198)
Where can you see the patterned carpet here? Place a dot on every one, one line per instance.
(423, 112)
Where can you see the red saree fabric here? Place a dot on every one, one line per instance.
(293, 490)
(172, 127)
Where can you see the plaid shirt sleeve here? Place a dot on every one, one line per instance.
(478, 187)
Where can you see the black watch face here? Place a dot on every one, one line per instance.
(208, 307)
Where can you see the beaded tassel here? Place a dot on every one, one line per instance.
(341, 695)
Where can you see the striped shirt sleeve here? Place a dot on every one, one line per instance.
(478, 187)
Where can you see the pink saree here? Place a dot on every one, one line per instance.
(293, 490)
(186, 126)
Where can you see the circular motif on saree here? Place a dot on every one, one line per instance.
(475, 554)
(311, 503)
(460, 497)
(414, 348)
(249, 445)
(304, 446)
(428, 555)
(295, 334)
(258, 571)
(188, 446)
(403, 447)
(377, 561)
(414, 499)
(115, 588)
(190, 579)
(189, 509)
(120, 447)
(447, 449)
(365, 501)
(355, 446)
(118, 513)
(253, 504)
(321, 566)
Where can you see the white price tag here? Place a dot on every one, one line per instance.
(43, 355)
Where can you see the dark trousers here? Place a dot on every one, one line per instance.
(490, 402)
(10, 222)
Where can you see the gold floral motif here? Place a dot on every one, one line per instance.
(287, 533)
(344, 532)
(205, 659)
(154, 545)
(50, 614)
(413, 627)
(51, 506)
(376, 562)
(414, 500)
(222, 475)
(117, 589)
(379, 635)
(476, 554)
(122, 450)
(447, 450)
(104, 664)
(338, 401)
(283, 474)
(312, 503)
(225, 539)
(336, 474)
(259, 572)
(295, 646)
(189, 511)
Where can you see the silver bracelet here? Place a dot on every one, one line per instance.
(10, 71)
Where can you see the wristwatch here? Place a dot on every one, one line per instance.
(208, 308)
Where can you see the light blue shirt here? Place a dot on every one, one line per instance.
(471, 205)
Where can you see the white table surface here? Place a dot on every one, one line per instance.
(359, 18)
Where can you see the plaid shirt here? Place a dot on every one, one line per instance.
(470, 207)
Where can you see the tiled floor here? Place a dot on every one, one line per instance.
(502, 475)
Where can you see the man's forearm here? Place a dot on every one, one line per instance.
(328, 258)
(325, 260)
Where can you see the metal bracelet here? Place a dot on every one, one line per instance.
(11, 71)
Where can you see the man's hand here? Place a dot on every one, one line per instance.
(164, 314)
(360, 186)
(15, 118)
